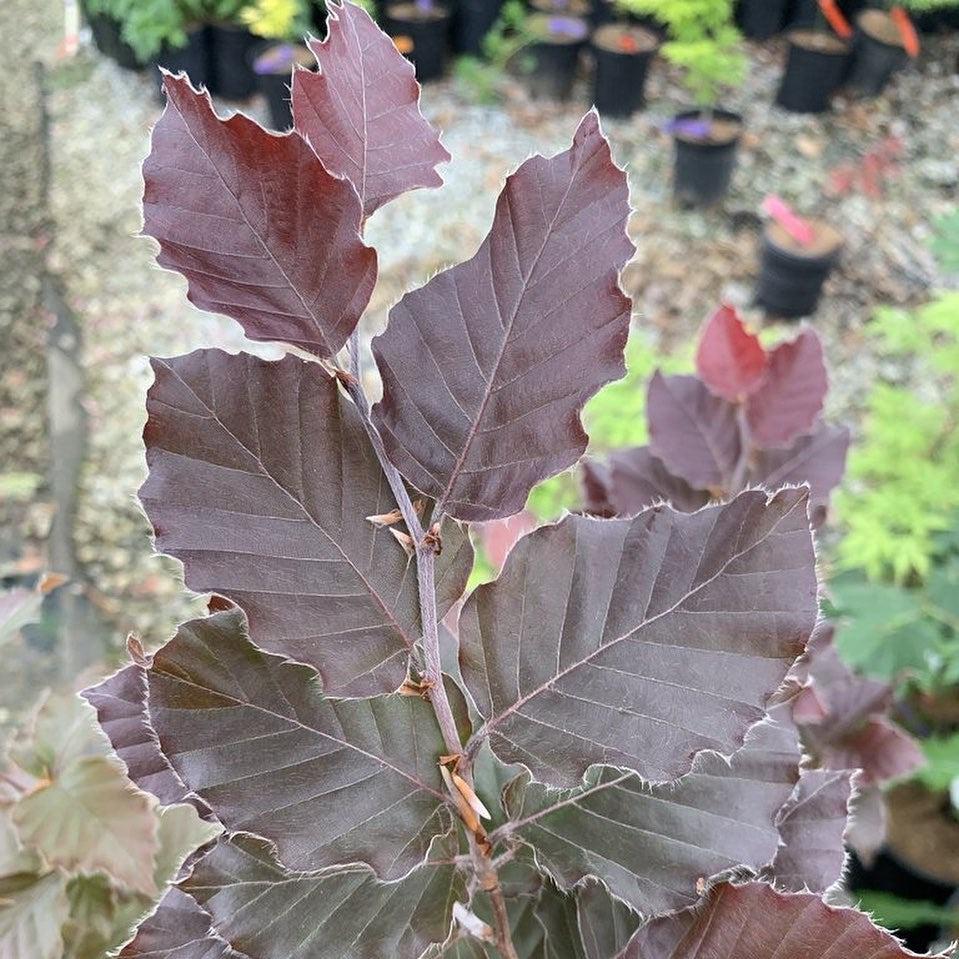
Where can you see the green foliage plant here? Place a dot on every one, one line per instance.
(480, 76)
(277, 19)
(703, 41)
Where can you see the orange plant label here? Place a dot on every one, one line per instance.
(910, 39)
(836, 19)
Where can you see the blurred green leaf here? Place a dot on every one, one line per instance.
(33, 910)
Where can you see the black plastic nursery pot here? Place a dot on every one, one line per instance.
(791, 276)
(622, 54)
(815, 69)
(554, 54)
(472, 20)
(806, 13)
(878, 52)
(193, 59)
(704, 163)
(272, 65)
(421, 34)
(108, 39)
(231, 75)
(762, 19)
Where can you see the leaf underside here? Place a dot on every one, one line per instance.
(360, 112)
(329, 781)
(261, 476)
(638, 643)
(486, 368)
(261, 231)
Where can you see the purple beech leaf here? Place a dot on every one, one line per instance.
(485, 368)
(121, 704)
(729, 359)
(754, 921)
(261, 476)
(811, 825)
(652, 845)
(694, 432)
(790, 398)
(597, 495)
(634, 480)
(638, 643)
(261, 231)
(178, 929)
(266, 911)
(856, 731)
(818, 459)
(329, 781)
(361, 112)
(866, 829)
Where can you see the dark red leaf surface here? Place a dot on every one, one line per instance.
(817, 458)
(637, 643)
(729, 359)
(635, 479)
(790, 399)
(754, 921)
(121, 704)
(361, 112)
(179, 929)
(653, 844)
(811, 826)
(261, 479)
(329, 781)
(255, 223)
(486, 368)
(856, 731)
(694, 432)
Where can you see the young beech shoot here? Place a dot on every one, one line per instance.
(588, 747)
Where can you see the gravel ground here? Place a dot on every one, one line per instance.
(100, 122)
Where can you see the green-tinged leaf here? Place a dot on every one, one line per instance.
(14, 857)
(62, 730)
(605, 923)
(101, 917)
(942, 762)
(882, 631)
(181, 833)
(638, 643)
(894, 912)
(268, 912)
(90, 819)
(18, 607)
(652, 845)
(32, 909)
(330, 781)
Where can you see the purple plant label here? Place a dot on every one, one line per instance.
(277, 59)
(424, 6)
(688, 127)
(567, 27)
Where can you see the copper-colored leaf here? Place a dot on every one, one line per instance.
(361, 112)
(637, 643)
(754, 921)
(486, 367)
(329, 781)
(694, 432)
(790, 399)
(261, 476)
(255, 223)
(729, 359)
